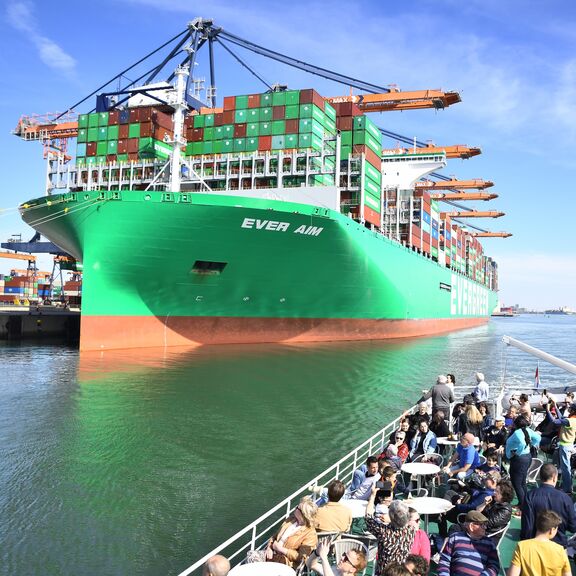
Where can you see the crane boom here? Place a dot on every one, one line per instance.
(472, 214)
(491, 234)
(397, 100)
(45, 127)
(476, 183)
(456, 151)
(463, 196)
(16, 256)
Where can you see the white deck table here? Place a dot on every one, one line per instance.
(357, 507)
(262, 569)
(419, 469)
(429, 505)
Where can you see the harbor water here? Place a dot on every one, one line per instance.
(140, 462)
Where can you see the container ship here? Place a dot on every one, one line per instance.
(276, 218)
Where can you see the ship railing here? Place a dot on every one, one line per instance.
(257, 533)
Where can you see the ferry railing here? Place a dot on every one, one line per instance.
(257, 533)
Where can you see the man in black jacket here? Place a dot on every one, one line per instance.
(548, 497)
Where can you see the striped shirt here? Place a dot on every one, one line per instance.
(463, 556)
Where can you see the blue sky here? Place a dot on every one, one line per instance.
(513, 62)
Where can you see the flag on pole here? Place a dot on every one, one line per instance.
(537, 376)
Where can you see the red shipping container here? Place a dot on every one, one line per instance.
(197, 135)
(348, 109)
(122, 147)
(371, 216)
(145, 114)
(254, 101)
(111, 158)
(146, 129)
(265, 143)
(239, 130)
(371, 157)
(292, 126)
(162, 119)
(228, 116)
(133, 157)
(188, 121)
(345, 123)
(426, 237)
(278, 112)
(123, 131)
(310, 96)
(229, 104)
(91, 148)
(163, 134)
(133, 145)
(113, 118)
(219, 119)
(134, 115)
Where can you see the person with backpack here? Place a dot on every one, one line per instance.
(518, 452)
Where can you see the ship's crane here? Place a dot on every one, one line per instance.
(16, 256)
(472, 214)
(397, 100)
(461, 151)
(491, 234)
(457, 195)
(476, 184)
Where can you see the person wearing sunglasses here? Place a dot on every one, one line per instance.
(421, 544)
(350, 562)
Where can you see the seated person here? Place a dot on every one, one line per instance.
(424, 442)
(398, 439)
(421, 414)
(390, 456)
(496, 435)
(368, 469)
(297, 536)
(350, 563)
(421, 545)
(464, 460)
(333, 516)
(438, 424)
(362, 490)
(405, 431)
(491, 464)
(510, 416)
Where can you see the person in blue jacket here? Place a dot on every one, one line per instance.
(518, 453)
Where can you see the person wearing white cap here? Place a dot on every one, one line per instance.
(482, 390)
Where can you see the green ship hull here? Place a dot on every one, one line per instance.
(163, 269)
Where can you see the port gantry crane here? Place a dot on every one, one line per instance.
(55, 129)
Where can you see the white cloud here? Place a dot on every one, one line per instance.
(20, 15)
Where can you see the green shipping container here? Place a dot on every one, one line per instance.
(372, 187)
(208, 147)
(278, 142)
(310, 141)
(218, 132)
(241, 102)
(266, 99)
(103, 118)
(278, 98)
(134, 131)
(197, 148)
(253, 115)
(228, 131)
(434, 251)
(80, 161)
(345, 151)
(217, 147)
(102, 133)
(278, 127)
(363, 137)
(92, 120)
(372, 202)
(373, 173)
(292, 97)
(113, 132)
(227, 145)
(345, 140)
(265, 128)
(92, 135)
(292, 112)
(112, 147)
(83, 121)
(251, 144)
(253, 129)
(239, 143)
(91, 160)
(122, 157)
(265, 114)
(240, 116)
(291, 141)
(82, 135)
(100, 159)
(208, 134)
(208, 120)
(311, 125)
(330, 111)
(199, 121)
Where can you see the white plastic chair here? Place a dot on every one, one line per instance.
(345, 545)
(534, 470)
(417, 493)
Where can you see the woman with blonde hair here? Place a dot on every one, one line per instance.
(471, 421)
(297, 536)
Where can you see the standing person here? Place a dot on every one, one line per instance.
(524, 408)
(394, 539)
(566, 439)
(482, 390)
(471, 421)
(438, 424)
(442, 395)
(485, 413)
(334, 516)
(548, 497)
(540, 555)
(518, 453)
(564, 406)
(216, 566)
(297, 536)
(469, 552)
(451, 380)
